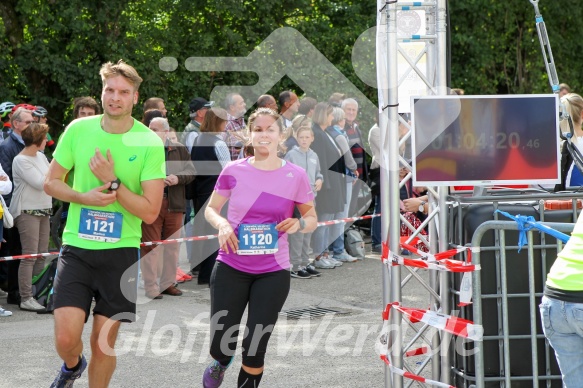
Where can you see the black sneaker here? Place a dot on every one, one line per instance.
(312, 270)
(300, 274)
(13, 298)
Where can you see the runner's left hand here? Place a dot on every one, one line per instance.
(289, 225)
(102, 168)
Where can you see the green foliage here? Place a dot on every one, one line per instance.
(51, 51)
(496, 50)
(56, 49)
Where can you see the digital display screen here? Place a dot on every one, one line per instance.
(485, 140)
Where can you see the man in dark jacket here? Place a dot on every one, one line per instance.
(9, 148)
(180, 171)
(13, 144)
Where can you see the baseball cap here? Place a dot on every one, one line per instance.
(199, 103)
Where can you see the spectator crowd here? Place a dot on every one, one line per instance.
(322, 137)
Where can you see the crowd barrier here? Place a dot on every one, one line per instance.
(507, 290)
(513, 351)
(184, 239)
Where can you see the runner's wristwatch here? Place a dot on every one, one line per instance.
(302, 224)
(422, 206)
(115, 185)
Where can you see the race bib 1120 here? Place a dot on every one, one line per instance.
(257, 239)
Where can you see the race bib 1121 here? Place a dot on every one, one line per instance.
(98, 225)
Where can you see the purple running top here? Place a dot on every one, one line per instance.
(261, 197)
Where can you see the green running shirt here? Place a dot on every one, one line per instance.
(138, 156)
(567, 271)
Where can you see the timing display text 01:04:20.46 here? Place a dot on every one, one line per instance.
(498, 141)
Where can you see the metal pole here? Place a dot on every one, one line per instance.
(394, 198)
(441, 78)
(532, 309)
(383, 56)
(432, 70)
(396, 344)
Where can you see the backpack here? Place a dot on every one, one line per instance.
(353, 243)
(42, 285)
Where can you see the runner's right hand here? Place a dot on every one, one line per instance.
(97, 197)
(227, 239)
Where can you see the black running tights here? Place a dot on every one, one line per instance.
(231, 292)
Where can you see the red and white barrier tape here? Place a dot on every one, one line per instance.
(382, 346)
(457, 326)
(440, 265)
(184, 239)
(178, 240)
(438, 256)
(144, 244)
(417, 352)
(30, 256)
(454, 325)
(349, 219)
(413, 376)
(437, 262)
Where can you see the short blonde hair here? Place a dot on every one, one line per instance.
(109, 70)
(304, 128)
(565, 87)
(301, 121)
(574, 105)
(321, 112)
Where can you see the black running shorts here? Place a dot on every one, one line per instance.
(110, 276)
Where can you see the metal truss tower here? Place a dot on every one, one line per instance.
(411, 61)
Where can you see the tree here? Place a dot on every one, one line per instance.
(52, 51)
(495, 48)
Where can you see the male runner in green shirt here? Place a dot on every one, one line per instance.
(119, 173)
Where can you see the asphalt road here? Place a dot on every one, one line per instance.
(168, 345)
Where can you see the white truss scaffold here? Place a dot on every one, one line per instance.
(411, 48)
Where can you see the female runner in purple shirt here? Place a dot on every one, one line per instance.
(253, 265)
